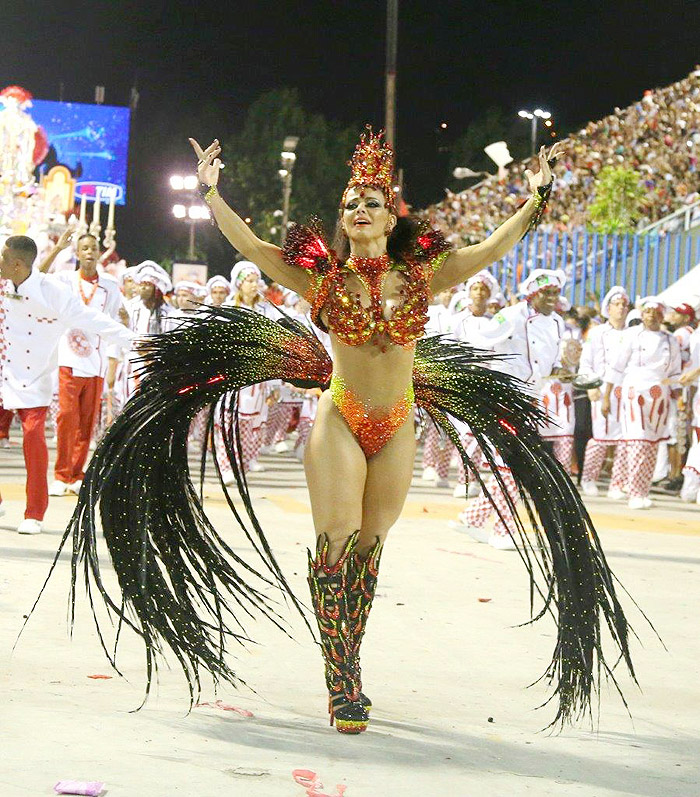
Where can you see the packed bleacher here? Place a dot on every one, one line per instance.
(657, 136)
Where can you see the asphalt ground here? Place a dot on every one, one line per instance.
(445, 660)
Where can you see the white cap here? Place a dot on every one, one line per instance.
(150, 271)
(217, 281)
(241, 270)
(614, 293)
(487, 278)
(542, 278)
(193, 287)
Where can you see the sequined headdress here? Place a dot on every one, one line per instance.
(372, 165)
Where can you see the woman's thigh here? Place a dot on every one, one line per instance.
(388, 479)
(336, 469)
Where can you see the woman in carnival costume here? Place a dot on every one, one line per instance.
(180, 583)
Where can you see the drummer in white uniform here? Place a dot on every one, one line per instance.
(648, 366)
(530, 332)
(38, 308)
(466, 326)
(84, 363)
(599, 351)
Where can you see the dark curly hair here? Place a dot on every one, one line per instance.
(399, 244)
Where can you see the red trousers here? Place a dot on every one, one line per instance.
(36, 461)
(5, 421)
(78, 405)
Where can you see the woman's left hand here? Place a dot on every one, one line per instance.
(544, 175)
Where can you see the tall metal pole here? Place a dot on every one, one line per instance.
(190, 253)
(286, 196)
(392, 24)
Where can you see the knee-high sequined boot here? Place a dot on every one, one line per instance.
(329, 595)
(363, 585)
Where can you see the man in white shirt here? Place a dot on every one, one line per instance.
(530, 333)
(38, 309)
(84, 361)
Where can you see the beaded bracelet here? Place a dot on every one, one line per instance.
(211, 192)
(541, 197)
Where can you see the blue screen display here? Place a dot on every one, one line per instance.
(92, 141)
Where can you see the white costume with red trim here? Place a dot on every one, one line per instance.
(600, 350)
(531, 340)
(645, 360)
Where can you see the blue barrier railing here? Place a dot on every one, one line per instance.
(644, 264)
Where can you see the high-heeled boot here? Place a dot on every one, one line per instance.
(363, 585)
(329, 595)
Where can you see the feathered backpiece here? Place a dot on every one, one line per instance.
(372, 165)
(182, 585)
(563, 554)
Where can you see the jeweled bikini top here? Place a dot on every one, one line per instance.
(352, 322)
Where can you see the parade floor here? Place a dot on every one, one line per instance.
(444, 661)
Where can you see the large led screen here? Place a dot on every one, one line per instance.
(91, 140)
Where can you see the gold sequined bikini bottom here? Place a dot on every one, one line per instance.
(373, 427)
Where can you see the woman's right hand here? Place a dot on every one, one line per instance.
(208, 163)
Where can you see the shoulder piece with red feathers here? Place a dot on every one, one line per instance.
(306, 247)
(425, 246)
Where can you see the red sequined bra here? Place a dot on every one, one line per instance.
(352, 322)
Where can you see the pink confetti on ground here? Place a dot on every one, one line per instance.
(312, 783)
(227, 707)
(100, 677)
(87, 787)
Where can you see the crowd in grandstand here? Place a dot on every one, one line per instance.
(658, 137)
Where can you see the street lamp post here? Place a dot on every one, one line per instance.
(288, 158)
(192, 214)
(533, 116)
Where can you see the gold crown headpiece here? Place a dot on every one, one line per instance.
(372, 165)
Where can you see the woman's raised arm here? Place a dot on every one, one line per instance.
(464, 263)
(267, 257)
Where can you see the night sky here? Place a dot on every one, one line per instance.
(198, 66)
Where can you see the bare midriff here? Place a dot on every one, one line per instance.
(378, 372)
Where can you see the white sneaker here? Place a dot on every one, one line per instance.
(429, 475)
(589, 488)
(58, 488)
(615, 494)
(75, 487)
(480, 535)
(228, 478)
(282, 447)
(442, 483)
(266, 449)
(4, 443)
(299, 452)
(474, 489)
(256, 467)
(460, 491)
(502, 542)
(29, 526)
(639, 503)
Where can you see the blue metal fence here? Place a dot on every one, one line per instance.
(593, 262)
